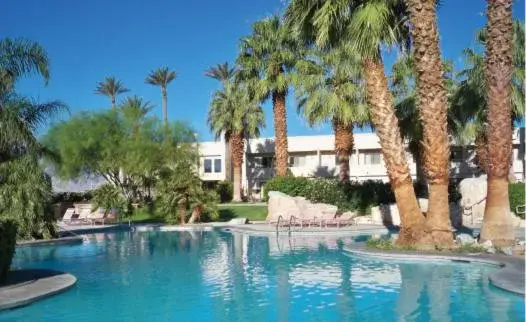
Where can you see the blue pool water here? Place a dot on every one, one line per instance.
(218, 276)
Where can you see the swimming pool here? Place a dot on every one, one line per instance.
(219, 276)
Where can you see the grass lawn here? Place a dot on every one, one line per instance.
(226, 212)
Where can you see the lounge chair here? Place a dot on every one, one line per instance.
(69, 216)
(97, 217)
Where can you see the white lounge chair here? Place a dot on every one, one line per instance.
(69, 216)
(97, 217)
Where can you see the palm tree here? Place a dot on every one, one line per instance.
(329, 87)
(162, 77)
(497, 225)
(19, 58)
(111, 87)
(221, 72)
(233, 113)
(470, 99)
(370, 25)
(267, 56)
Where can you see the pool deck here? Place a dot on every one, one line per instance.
(29, 285)
(510, 276)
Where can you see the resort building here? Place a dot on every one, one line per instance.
(313, 156)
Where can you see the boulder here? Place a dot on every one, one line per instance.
(465, 239)
(348, 215)
(487, 245)
(424, 204)
(507, 250)
(281, 204)
(299, 207)
(473, 201)
(385, 214)
(238, 221)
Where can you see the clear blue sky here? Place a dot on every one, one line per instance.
(89, 40)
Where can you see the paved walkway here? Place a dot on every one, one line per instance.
(510, 276)
(27, 286)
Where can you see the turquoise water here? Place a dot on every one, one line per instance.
(216, 276)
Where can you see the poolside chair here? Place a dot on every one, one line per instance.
(69, 216)
(97, 217)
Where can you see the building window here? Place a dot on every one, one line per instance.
(372, 158)
(297, 161)
(208, 165)
(217, 165)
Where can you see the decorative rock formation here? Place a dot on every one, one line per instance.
(473, 202)
(299, 207)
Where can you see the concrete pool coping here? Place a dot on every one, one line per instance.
(510, 275)
(30, 285)
(73, 240)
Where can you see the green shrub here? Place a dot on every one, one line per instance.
(8, 232)
(72, 196)
(225, 190)
(349, 196)
(107, 197)
(517, 196)
(292, 186)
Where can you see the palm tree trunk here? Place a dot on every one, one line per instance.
(165, 106)
(113, 106)
(386, 124)
(182, 212)
(432, 104)
(481, 150)
(343, 144)
(196, 214)
(280, 131)
(497, 225)
(237, 145)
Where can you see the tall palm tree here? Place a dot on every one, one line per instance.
(111, 87)
(162, 77)
(470, 99)
(496, 225)
(267, 56)
(233, 113)
(329, 87)
(432, 107)
(370, 25)
(221, 72)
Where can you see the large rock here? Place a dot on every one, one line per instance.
(465, 239)
(385, 214)
(473, 201)
(287, 206)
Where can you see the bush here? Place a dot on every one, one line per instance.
(289, 185)
(72, 196)
(225, 190)
(107, 197)
(8, 231)
(517, 196)
(350, 196)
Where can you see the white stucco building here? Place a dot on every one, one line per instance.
(313, 156)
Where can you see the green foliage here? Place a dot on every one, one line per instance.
(72, 196)
(251, 212)
(292, 186)
(346, 196)
(8, 233)
(517, 195)
(125, 146)
(380, 243)
(225, 191)
(108, 197)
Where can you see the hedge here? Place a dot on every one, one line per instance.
(349, 196)
(8, 231)
(517, 196)
(72, 196)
